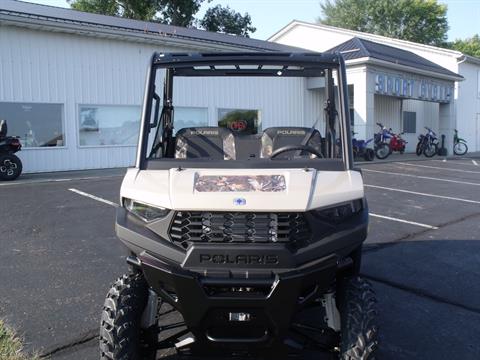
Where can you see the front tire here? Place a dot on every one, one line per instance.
(10, 167)
(460, 148)
(382, 151)
(358, 320)
(121, 336)
(430, 150)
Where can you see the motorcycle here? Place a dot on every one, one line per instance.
(382, 139)
(397, 143)
(427, 143)
(459, 145)
(360, 148)
(10, 164)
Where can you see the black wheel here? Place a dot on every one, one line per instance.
(419, 149)
(369, 155)
(10, 167)
(430, 150)
(121, 336)
(383, 150)
(357, 305)
(460, 148)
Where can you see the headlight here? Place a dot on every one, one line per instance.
(144, 211)
(341, 212)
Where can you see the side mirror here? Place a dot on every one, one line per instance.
(157, 108)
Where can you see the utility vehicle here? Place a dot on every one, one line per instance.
(10, 164)
(242, 244)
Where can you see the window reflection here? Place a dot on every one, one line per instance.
(108, 125)
(37, 125)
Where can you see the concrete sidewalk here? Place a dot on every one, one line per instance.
(396, 157)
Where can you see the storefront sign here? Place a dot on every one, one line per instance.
(410, 88)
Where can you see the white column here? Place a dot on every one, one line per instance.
(446, 125)
(363, 102)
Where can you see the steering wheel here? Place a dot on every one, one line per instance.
(287, 148)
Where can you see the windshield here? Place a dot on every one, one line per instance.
(218, 117)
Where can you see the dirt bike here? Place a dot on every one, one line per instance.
(427, 143)
(382, 139)
(459, 145)
(397, 143)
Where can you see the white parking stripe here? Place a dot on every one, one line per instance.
(459, 161)
(421, 177)
(440, 168)
(403, 221)
(49, 180)
(94, 197)
(424, 194)
(474, 162)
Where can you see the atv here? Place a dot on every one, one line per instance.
(10, 164)
(242, 244)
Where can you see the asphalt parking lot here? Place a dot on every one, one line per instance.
(59, 256)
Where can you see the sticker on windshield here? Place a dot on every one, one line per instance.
(234, 183)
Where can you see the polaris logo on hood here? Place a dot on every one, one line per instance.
(221, 259)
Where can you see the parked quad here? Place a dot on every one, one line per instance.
(459, 145)
(242, 244)
(427, 143)
(360, 148)
(10, 164)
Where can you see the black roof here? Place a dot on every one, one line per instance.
(357, 48)
(44, 12)
(248, 63)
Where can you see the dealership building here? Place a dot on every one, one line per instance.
(72, 84)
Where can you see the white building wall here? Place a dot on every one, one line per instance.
(45, 67)
(467, 102)
(468, 105)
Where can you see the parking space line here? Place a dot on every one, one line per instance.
(105, 201)
(404, 221)
(421, 177)
(440, 168)
(459, 161)
(42, 181)
(424, 194)
(474, 162)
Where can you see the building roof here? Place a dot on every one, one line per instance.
(357, 48)
(368, 36)
(29, 12)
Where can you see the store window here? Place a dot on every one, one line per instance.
(409, 122)
(37, 125)
(240, 120)
(185, 117)
(101, 125)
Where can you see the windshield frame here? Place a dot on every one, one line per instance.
(186, 64)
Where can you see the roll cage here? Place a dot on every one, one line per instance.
(243, 64)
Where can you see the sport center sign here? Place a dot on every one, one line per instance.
(411, 88)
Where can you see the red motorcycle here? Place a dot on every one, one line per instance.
(397, 143)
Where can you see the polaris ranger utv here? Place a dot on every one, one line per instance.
(241, 243)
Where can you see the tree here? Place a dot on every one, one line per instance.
(132, 9)
(469, 46)
(226, 20)
(172, 12)
(423, 21)
(179, 12)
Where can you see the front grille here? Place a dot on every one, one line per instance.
(240, 227)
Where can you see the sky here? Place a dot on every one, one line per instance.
(269, 16)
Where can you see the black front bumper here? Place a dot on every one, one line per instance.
(267, 283)
(270, 301)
